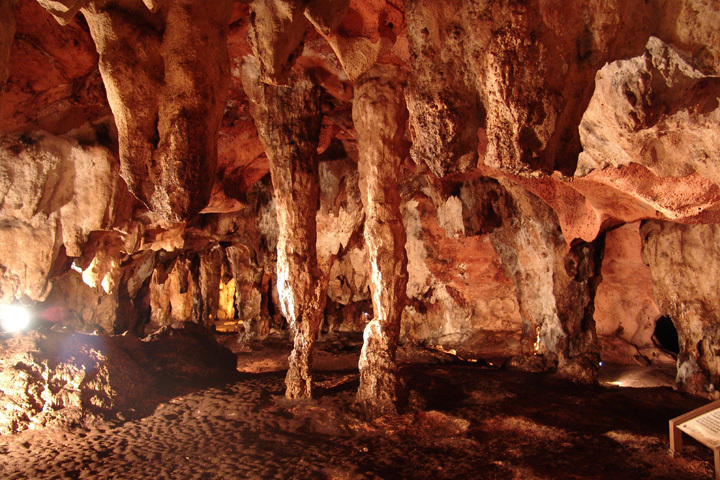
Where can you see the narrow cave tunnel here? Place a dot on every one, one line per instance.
(348, 239)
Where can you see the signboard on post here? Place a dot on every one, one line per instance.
(702, 424)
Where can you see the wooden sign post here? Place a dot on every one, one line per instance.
(702, 424)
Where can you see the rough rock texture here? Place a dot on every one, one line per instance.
(54, 83)
(593, 116)
(59, 377)
(555, 285)
(656, 110)
(508, 81)
(682, 258)
(277, 30)
(459, 297)
(54, 192)
(626, 288)
(288, 120)
(167, 99)
(379, 115)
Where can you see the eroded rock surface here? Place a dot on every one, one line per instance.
(67, 378)
(555, 284)
(496, 93)
(7, 27)
(684, 261)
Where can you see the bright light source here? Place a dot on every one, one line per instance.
(14, 318)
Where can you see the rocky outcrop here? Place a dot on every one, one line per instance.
(67, 378)
(459, 298)
(277, 30)
(501, 97)
(288, 121)
(657, 110)
(379, 115)
(684, 261)
(555, 284)
(54, 192)
(62, 377)
(480, 87)
(167, 99)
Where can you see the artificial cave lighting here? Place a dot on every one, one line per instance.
(14, 318)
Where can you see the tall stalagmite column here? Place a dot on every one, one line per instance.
(380, 116)
(288, 120)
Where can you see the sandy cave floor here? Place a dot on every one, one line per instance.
(463, 421)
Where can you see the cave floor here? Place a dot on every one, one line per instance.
(463, 421)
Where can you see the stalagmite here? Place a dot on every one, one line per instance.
(166, 75)
(288, 121)
(555, 284)
(380, 116)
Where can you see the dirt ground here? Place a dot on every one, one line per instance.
(463, 421)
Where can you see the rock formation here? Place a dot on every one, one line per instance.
(679, 256)
(288, 120)
(167, 99)
(7, 13)
(453, 164)
(555, 284)
(65, 377)
(379, 115)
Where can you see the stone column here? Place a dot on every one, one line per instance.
(288, 120)
(210, 273)
(555, 285)
(380, 116)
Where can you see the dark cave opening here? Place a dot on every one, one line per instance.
(666, 335)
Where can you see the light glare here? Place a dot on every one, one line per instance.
(14, 318)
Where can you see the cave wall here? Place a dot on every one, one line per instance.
(534, 133)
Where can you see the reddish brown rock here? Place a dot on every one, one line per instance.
(288, 121)
(54, 83)
(7, 33)
(624, 304)
(656, 110)
(277, 30)
(61, 190)
(379, 115)
(459, 298)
